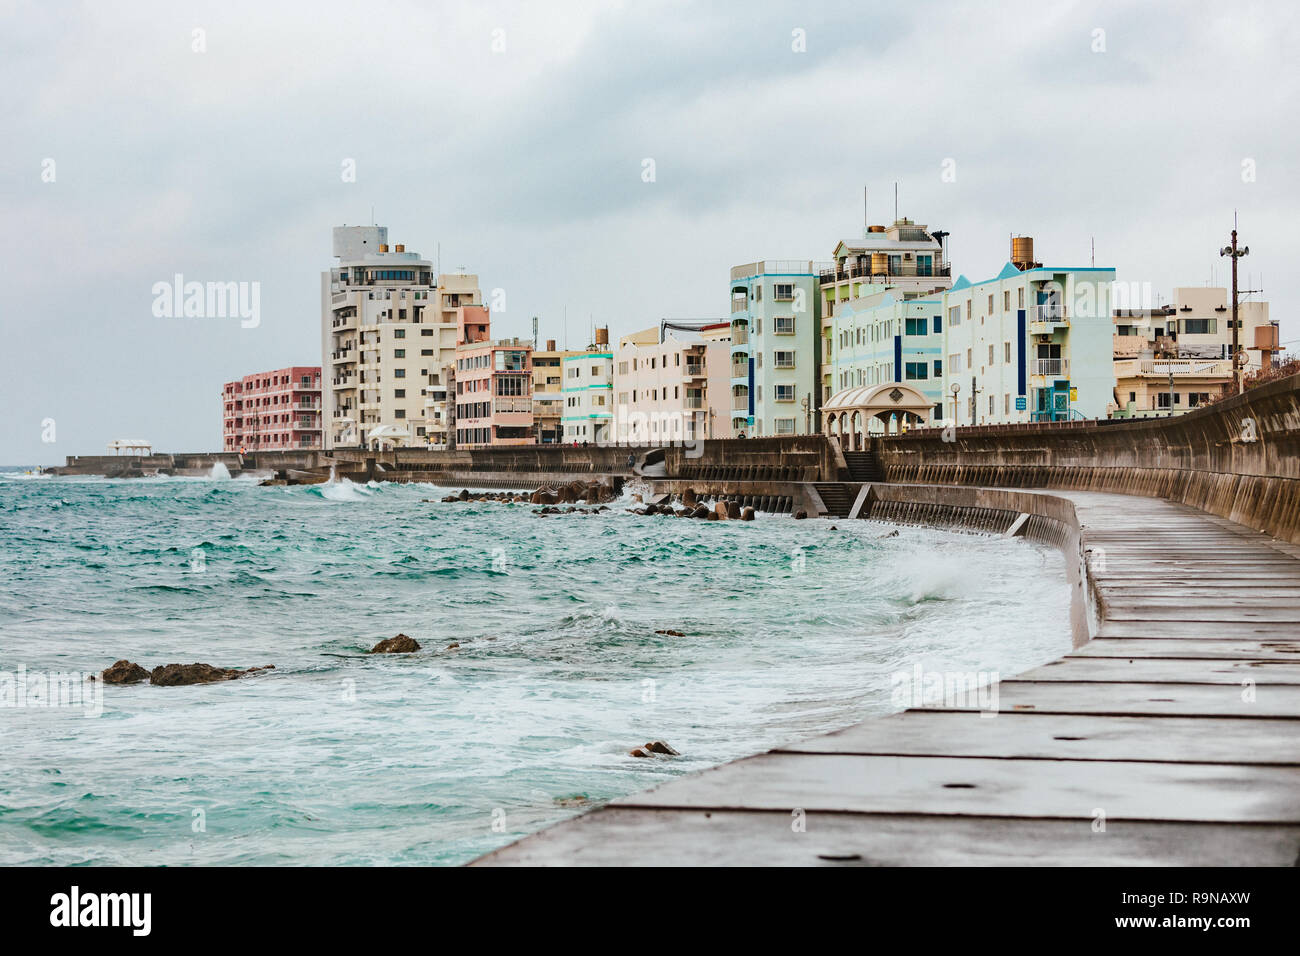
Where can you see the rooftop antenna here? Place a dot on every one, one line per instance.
(1094, 250)
(866, 219)
(895, 202)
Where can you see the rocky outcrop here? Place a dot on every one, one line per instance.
(652, 748)
(401, 644)
(671, 633)
(124, 672)
(176, 675)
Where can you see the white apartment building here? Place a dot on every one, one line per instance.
(588, 390)
(1033, 343)
(388, 329)
(673, 384)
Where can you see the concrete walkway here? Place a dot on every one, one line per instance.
(1172, 737)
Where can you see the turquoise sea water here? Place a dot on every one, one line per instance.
(791, 629)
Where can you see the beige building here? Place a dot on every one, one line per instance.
(388, 329)
(548, 395)
(1173, 359)
(905, 257)
(672, 383)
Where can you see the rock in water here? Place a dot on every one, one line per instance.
(733, 509)
(659, 747)
(800, 515)
(720, 509)
(124, 672)
(176, 675)
(671, 633)
(401, 644)
(747, 514)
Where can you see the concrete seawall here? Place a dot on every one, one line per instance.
(1239, 459)
(1169, 735)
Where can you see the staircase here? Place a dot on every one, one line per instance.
(836, 498)
(863, 466)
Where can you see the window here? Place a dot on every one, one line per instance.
(938, 324)
(968, 309)
(990, 303)
(783, 291)
(954, 363)
(399, 373)
(399, 353)
(1195, 399)
(784, 393)
(783, 324)
(426, 351)
(991, 359)
(1162, 399)
(915, 327)
(426, 331)
(1020, 298)
(399, 333)
(1197, 326)
(399, 413)
(784, 426)
(1006, 399)
(970, 363)
(1006, 352)
(783, 359)
(954, 315)
(1006, 301)
(913, 371)
(399, 393)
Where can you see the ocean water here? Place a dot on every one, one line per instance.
(790, 630)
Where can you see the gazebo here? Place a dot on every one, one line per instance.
(846, 414)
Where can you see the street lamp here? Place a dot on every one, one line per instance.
(955, 388)
(1235, 254)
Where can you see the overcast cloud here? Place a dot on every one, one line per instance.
(525, 165)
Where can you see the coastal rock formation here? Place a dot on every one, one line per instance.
(701, 511)
(720, 510)
(747, 514)
(799, 515)
(401, 644)
(124, 672)
(671, 633)
(654, 747)
(176, 675)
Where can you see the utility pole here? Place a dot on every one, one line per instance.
(1236, 254)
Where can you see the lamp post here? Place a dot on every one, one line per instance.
(1236, 254)
(955, 388)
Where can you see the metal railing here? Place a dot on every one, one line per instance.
(1050, 366)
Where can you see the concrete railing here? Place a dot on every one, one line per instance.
(1239, 458)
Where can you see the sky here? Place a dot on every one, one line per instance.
(214, 140)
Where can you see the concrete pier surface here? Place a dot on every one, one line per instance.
(1170, 735)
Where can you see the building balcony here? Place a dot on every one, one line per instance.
(1179, 368)
(511, 405)
(1053, 367)
(694, 370)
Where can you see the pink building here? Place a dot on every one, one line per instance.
(494, 385)
(273, 411)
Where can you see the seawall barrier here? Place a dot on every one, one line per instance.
(1238, 459)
